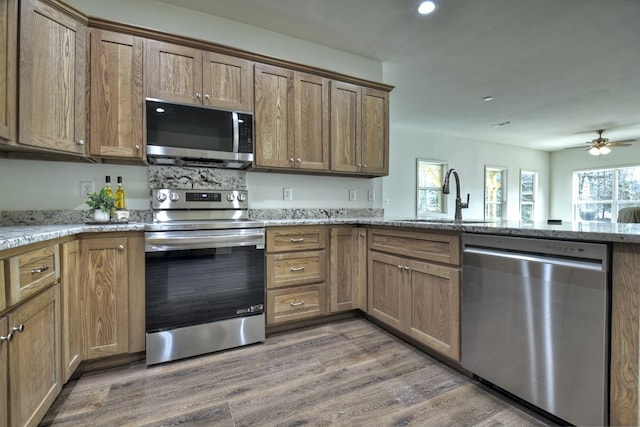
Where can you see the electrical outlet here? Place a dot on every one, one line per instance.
(86, 187)
(287, 193)
(372, 195)
(352, 195)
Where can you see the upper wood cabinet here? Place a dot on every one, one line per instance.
(116, 96)
(291, 119)
(52, 80)
(188, 75)
(359, 129)
(8, 55)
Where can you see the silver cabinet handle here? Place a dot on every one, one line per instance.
(19, 328)
(291, 159)
(297, 268)
(80, 142)
(137, 147)
(364, 165)
(8, 338)
(40, 269)
(359, 165)
(121, 248)
(299, 160)
(198, 96)
(297, 304)
(206, 96)
(301, 239)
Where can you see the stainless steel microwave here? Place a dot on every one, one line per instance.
(186, 135)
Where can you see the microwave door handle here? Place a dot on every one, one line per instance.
(236, 132)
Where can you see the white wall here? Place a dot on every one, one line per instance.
(469, 158)
(565, 162)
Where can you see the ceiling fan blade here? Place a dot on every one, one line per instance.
(622, 141)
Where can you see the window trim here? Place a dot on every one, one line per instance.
(444, 165)
(534, 196)
(503, 202)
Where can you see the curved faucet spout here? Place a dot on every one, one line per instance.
(445, 190)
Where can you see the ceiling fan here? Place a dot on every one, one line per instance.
(601, 145)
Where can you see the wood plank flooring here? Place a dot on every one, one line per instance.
(345, 373)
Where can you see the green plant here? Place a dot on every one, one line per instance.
(101, 201)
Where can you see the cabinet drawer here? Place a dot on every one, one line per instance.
(426, 245)
(295, 238)
(31, 272)
(297, 268)
(297, 303)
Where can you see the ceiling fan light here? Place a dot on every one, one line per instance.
(594, 151)
(605, 150)
(427, 7)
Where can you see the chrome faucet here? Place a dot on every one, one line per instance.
(445, 190)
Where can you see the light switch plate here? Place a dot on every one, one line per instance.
(86, 187)
(372, 195)
(287, 193)
(352, 195)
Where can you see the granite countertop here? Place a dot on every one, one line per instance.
(16, 236)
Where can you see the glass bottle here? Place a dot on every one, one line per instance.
(107, 186)
(120, 204)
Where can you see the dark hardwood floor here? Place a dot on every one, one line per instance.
(346, 373)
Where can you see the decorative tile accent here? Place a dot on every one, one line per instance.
(317, 213)
(196, 178)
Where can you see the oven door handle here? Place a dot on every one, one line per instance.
(169, 243)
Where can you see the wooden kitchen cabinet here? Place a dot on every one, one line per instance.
(52, 79)
(34, 357)
(112, 294)
(116, 96)
(188, 75)
(359, 130)
(414, 286)
(291, 119)
(295, 273)
(8, 73)
(348, 268)
(70, 308)
(4, 371)
(32, 271)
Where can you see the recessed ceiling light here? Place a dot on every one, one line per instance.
(488, 98)
(427, 7)
(499, 125)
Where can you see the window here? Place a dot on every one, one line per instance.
(599, 194)
(495, 191)
(528, 194)
(429, 199)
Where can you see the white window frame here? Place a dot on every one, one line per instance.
(534, 195)
(443, 165)
(490, 206)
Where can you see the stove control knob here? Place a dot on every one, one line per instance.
(161, 197)
(242, 197)
(174, 197)
(231, 197)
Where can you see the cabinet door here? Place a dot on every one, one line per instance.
(116, 95)
(34, 357)
(173, 72)
(70, 309)
(4, 370)
(274, 117)
(103, 280)
(8, 46)
(434, 300)
(52, 79)
(345, 127)
(386, 278)
(227, 82)
(311, 122)
(348, 269)
(375, 132)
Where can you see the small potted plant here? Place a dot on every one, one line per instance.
(102, 205)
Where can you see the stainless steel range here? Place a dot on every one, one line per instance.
(204, 264)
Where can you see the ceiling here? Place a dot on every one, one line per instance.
(557, 69)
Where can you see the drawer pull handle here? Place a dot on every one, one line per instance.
(8, 338)
(40, 269)
(297, 304)
(301, 239)
(19, 328)
(297, 268)
(121, 248)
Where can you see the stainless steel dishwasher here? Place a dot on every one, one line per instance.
(535, 322)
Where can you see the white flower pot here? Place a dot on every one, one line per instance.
(101, 216)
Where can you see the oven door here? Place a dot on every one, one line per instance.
(199, 277)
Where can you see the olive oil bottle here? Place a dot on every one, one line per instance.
(120, 201)
(107, 186)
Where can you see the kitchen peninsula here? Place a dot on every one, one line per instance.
(624, 238)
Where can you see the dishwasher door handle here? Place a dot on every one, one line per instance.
(567, 262)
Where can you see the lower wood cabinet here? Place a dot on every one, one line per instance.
(112, 297)
(70, 308)
(348, 268)
(299, 302)
(4, 371)
(417, 297)
(33, 365)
